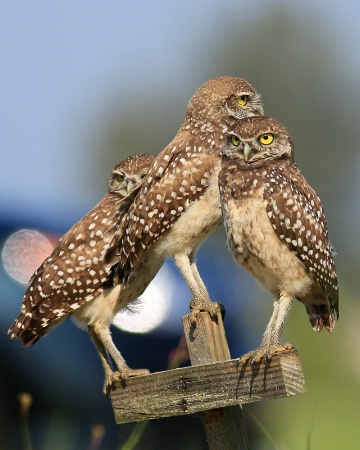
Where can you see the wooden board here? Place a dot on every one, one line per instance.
(193, 389)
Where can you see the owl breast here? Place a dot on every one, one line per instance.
(191, 229)
(256, 247)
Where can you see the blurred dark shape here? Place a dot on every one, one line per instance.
(97, 435)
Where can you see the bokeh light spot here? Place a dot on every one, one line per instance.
(151, 309)
(145, 314)
(23, 252)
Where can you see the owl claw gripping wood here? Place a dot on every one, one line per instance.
(276, 227)
(263, 354)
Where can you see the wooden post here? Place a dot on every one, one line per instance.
(225, 427)
(216, 389)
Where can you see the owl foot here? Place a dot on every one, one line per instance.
(113, 377)
(213, 308)
(264, 353)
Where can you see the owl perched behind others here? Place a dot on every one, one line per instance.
(276, 227)
(73, 280)
(178, 205)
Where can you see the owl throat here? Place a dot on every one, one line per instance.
(245, 183)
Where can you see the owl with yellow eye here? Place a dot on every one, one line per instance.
(178, 205)
(276, 227)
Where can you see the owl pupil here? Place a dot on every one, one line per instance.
(235, 140)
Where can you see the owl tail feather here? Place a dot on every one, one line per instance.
(19, 326)
(23, 328)
(320, 316)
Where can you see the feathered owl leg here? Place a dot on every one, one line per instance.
(271, 340)
(105, 346)
(201, 300)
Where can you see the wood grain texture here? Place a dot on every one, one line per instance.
(225, 427)
(204, 387)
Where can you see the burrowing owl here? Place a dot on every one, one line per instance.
(178, 204)
(73, 279)
(276, 227)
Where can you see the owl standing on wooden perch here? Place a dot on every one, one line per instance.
(74, 280)
(276, 227)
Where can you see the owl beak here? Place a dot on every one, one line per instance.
(247, 151)
(261, 111)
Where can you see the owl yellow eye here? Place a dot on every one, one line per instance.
(235, 140)
(120, 177)
(266, 138)
(242, 100)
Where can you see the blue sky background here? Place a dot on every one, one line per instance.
(63, 62)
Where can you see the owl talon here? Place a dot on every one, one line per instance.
(131, 373)
(109, 383)
(212, 308)
(111, 379)
(264, 354)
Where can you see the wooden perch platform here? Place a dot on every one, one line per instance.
(207, 386)
(199, 388)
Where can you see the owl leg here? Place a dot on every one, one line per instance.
(201, 301)
(110, 375)
(105, 346)
(271, 340)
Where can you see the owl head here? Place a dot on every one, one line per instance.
(224, 97)
(128, 174)
(254, 141)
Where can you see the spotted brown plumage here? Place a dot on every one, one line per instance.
(298, 219)
(178, 204)
(73, 280)
(276, 226)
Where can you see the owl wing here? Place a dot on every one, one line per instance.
(73, 274)
(178, 177)
(297, 216)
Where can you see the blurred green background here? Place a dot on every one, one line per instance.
(86, 84)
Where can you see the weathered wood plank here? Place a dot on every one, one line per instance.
(200, 388)
(207, 341)
(225, 427)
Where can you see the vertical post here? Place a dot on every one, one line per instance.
(225, 427)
